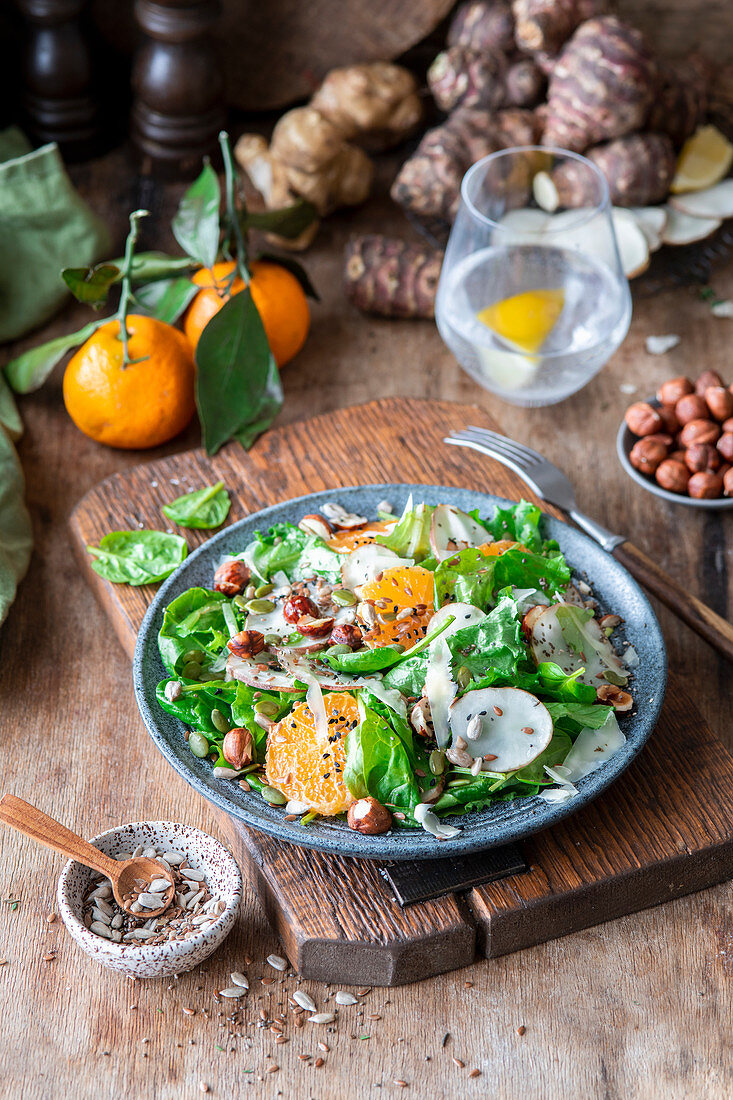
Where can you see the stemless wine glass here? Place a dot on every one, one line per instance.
(531, 303)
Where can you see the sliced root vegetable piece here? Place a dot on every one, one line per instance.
(452, 530)
(531, 617)
(363, 564)
(632, 243)
(440, 688)
(524, 224)
(260, 675)
(582, 231)
(652, 221)
(515, 727)
(713, 202)
(685, 229)
(565, 635)
(592, 748)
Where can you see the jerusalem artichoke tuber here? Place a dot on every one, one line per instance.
(681, 100)
(638, 169)
(545, 25)
(375, 104)
(428, 184)
(601, 87)
(483, 25)
(391, 278)
(463, 77)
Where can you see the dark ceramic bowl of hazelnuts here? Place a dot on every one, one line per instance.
(679, 444)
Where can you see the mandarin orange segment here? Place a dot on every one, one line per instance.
(359, 536)
(305, 766)
(405, 588)
(495, 549)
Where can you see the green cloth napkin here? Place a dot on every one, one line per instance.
(44, 226)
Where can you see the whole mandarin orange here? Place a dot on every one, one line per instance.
(138, 404)
(279, 297)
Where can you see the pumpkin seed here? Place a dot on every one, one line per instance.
(259, 607)
(193, 655)
(198, 745)
(191, 670)
(463, 676)
(343, 598)
(272, 639)
(240, 601)
(264, 590)
(334, 650)
(436, 761)
(266, 706)
(220, 721)
(273, 796)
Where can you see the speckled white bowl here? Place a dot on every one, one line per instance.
(160, 960)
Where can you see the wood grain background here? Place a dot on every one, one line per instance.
(636, 1008)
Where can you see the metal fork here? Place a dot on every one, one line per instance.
(550, 484)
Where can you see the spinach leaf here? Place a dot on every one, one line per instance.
(137, 557)
(408, 676)
(560, 685)
(286, 221)
(238, 388)
(520, 523)
(522, 569)
(466, 577)
(494, 643)
(378, 764)
(297, 553)
(582, 715)
(234, 699)
(475, 793)
(193, 621)
(202, 509)
(196, 222)
(382, 657)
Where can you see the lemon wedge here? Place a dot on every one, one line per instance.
(704, 160)
(525, 320)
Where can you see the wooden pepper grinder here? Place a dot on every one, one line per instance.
(57, 98)
(177, 83)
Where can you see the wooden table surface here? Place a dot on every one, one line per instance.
(638, 1007)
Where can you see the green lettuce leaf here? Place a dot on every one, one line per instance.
(194, 621)
(589, 715)
(496, 643)
(466, 577)
(554, 754)
(520, 523)
(520, 569)
(297, 553)
(378, 762)
(410, 538)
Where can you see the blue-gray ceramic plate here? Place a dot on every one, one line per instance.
(625, 440)
(500, 823)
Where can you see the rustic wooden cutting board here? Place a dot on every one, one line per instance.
(664, 831)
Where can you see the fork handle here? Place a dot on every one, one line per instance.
(714, 629)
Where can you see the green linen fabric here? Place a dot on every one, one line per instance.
(44, 226)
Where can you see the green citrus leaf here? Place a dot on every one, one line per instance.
(196, 223)
(31, 369)
(149, 266)
(202, 509)
(288, 222)
(91, 285)
(9, 415)
(238, 389)
(166, 299)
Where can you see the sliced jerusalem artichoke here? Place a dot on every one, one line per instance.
(452, 530)
(570, 637)
(592, 748)
(510, 727)
(584, 235)
(685, 228)
(652, 221)
(713, 202)
(363, 564)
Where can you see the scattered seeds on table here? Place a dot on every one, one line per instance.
(277, 962)
(459, 1063)
(343, 998)
(238, 978)
(304, 1000)
(521, 1029)
(475, 1073)
(322, 1018)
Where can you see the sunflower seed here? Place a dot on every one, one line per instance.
(100, 917)
(100, 929)
(190, 873)
(158, 885)
(345, 998)
(473, 729)
(150, 853)
(149, 901)
(322, 1018)
(233, 991)
(277, 962)
(304, 1000)
(174, 858)
(140, 934)
(239, 979)
(102, 891)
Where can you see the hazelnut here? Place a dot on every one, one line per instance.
(707, 378)
(669, 419)
(720, 402)
(316, 525)
(672, 476)
(660, 437)
(691, 407)
(238, 748)
(369, 816)
(618, 698)
(346, 634)
(701, 456)
(295, 607)
(646, 454)
(248, 643)
(698, 431)
(231, 578)
(642, 419)
(725, 446)
(727, 425)
(671, 391)
(677, 456)
(314, 628)
(705, 485)
(728, 482)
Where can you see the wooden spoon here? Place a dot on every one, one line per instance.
(129, 877)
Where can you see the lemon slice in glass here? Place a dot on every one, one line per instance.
(525, 320)
(704, 160)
